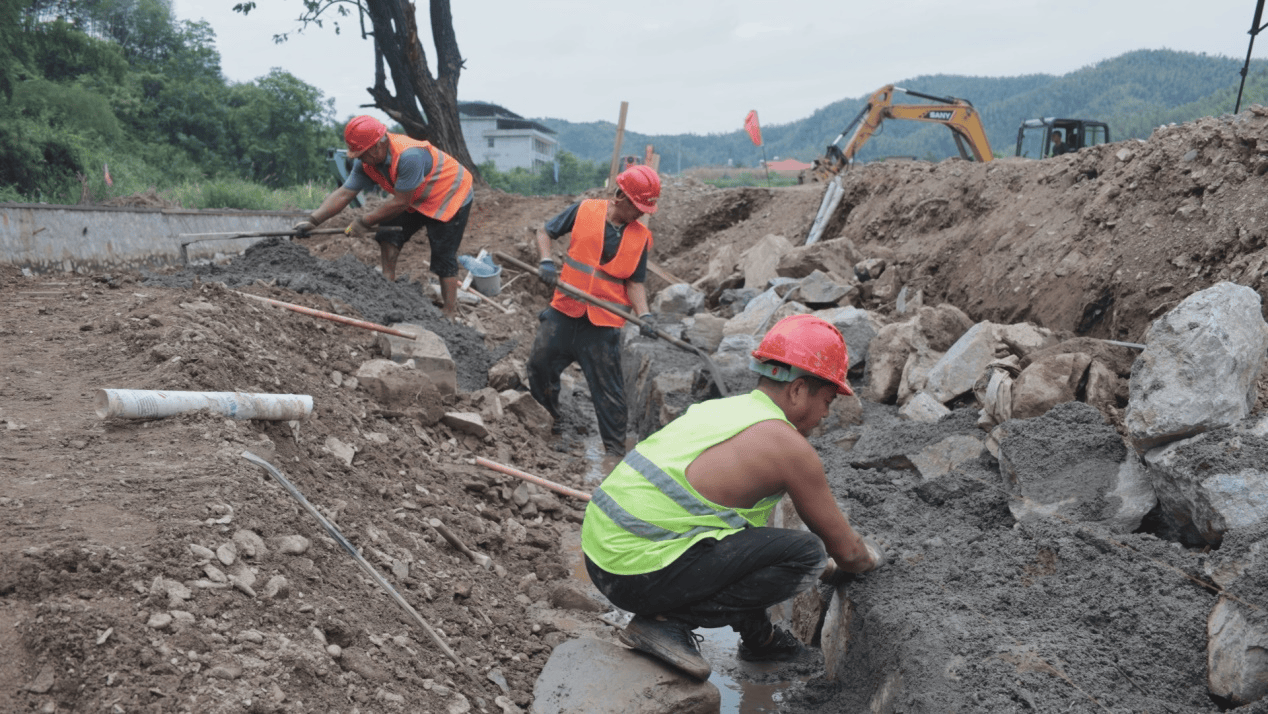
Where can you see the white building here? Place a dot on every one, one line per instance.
(496, 134)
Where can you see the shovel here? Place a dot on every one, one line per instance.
(621, 312)
(187, 239)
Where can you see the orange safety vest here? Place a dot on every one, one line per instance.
(582, 269)
(443, 190)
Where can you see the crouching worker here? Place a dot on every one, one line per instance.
(677, 532)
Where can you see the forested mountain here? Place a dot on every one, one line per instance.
(1133, 93)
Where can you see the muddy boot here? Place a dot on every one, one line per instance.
(782, 646)
(670, 640)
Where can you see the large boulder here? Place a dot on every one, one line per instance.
(1199, 366)
(835, 257)
(931, 330)
(678, 300)
(1212, 483)
(760, 261)
(761, 313)
(430, 354)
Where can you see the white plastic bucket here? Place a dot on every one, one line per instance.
(488, 286)
(145, 404)
(486, 276)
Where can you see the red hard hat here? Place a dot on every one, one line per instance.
(362, 133)
(642, 185)
(811, 344)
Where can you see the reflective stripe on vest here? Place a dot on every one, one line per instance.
(645, 514)
(583, 271)
(444, 189)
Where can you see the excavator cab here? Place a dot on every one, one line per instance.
(1048, 137)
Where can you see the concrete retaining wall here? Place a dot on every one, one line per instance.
(46, 238)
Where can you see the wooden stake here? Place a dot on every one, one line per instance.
(616, 149)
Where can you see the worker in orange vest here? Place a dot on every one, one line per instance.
(607, 258)
(429, 189)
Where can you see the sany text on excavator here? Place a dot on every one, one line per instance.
(956, 114)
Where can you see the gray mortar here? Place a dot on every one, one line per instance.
(349, 281)
(975, 613)
(1070, 451)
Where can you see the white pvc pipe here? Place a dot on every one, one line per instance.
(145, 404)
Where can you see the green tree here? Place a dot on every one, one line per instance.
(275, 123)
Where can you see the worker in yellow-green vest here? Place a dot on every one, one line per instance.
(677, 533)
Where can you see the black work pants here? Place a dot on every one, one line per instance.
(731, 581)
(562, 340)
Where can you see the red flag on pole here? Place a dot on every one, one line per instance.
(751, 126)
(109, 181)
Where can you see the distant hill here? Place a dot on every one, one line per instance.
(1134, 93)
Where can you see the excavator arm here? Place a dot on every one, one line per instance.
(956, 114)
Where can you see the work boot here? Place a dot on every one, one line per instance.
(670, 640)
(782, 646)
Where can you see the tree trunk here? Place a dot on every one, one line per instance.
(426, 106)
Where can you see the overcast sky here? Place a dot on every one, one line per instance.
(698, 66)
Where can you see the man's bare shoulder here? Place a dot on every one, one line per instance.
(772, 439)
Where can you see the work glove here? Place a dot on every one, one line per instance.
(357, 228)
(305, 226)
(648, 328)
(548, 273)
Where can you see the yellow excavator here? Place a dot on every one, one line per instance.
(956, 114)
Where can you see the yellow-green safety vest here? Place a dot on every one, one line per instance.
(645, 514)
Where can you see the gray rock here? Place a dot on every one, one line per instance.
(586, 675)
(956, 372)
(531, 413)
(1047, 382)
(467, 423)
(1199, 366)
(430, 354)
(680, 299)
(1213, 482)
(226, 554)
(760, 261)
(940, 459)
(290, 544)
(395, 386)
(761, 313)
(923, 408)
(249, 544)
(703, 330)
(1237, 637)
(818, 289)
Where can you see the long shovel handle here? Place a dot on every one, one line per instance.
(620, 311)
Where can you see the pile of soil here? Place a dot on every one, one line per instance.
(99, 516)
